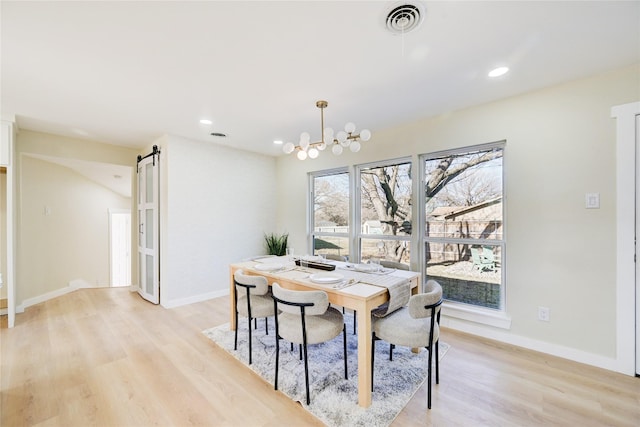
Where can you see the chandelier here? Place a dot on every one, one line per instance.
(343, 139)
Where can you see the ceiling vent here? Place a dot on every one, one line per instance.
(404, 17)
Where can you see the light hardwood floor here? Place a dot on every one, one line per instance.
(105, 357)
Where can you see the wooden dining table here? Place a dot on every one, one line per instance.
(361, 297)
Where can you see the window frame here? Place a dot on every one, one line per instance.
(476, 313)
(312, 234)
(357, 204)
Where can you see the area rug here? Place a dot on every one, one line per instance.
(334, 400)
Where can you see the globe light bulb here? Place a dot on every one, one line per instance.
(336, 149)
(304, 144)
(341, 137)
(302, 155)
(328, 135)
(322, 146)
(350, 127)
(365, 134)
(313, 153)
(288, 147)
(355, 146)
(304, 136)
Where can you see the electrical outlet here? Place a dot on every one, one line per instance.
(544, 314)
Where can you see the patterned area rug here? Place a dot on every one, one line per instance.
(334, 400)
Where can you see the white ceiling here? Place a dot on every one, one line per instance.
(127, 73)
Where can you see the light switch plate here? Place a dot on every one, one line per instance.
(592, 200)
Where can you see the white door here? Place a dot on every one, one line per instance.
(148, 226)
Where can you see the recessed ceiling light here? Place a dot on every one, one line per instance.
(278, 142)
(497, 72)
(206, 121)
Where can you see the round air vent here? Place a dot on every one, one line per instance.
(404, 17)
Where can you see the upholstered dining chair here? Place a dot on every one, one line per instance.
(305, 317)
(334, 257)
(394, 264)
(415, 325)
(252, 300)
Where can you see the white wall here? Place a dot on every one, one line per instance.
(217, 203)
(64, 228)
(70, 244)
(560, 145)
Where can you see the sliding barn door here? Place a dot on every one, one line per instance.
(148, 228)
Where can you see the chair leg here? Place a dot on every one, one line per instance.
(250, 340)
(373, 355)
(275, 381)
(300, 350)
(437, 362)
(344, 340)
(355, 323)
(391, 347)
(266, 326)
(429, 376)
(306, 372)
(235, 340)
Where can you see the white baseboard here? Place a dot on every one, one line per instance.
(73, 285)
(579, 356)
(193, 299)
(45, 297)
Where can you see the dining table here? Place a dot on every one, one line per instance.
(358, 287)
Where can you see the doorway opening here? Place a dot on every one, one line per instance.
(120, 247)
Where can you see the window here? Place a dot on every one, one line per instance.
(385, 211)
(330, 214)
(464, 244)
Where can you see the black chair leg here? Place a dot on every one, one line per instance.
(275, 382)
(355, 323)
(266, 326)
(300, 350)
(429, 376)
(437, 355)
(235, 340)
(373, 355)
(306, 373)
(344, 338)
(391, 347)
(250, 341)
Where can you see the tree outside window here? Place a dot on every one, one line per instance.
(463, 240)
(385, 212)
(331, 213)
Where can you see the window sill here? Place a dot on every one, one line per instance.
(493, 318)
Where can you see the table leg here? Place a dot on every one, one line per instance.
(364, 356)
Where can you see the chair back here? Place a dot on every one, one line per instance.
(257, 285)
(394, 264)
(316, 302)
(426, 304)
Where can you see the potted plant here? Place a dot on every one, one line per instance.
(276, 244)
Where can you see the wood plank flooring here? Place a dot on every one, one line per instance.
(105, 357)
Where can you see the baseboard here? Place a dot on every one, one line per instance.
(73, 285)
(564, 352)
(193, 299)
(45, 297)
